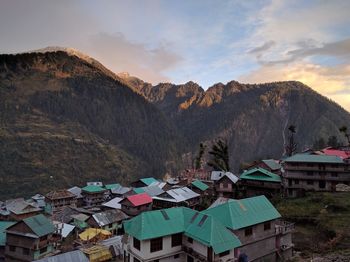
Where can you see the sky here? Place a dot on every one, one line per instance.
(195, 40)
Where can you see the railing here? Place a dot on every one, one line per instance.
(284, 227)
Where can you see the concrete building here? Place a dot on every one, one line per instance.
(58, 199)
(307, 172)
(258, 225)
(93, 195)
(178, 234)
(224, 183)
(135, 204)
(259, 181)
(29, 239)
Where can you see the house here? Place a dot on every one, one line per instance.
(77, 192)
(109, 220)
(113, 203)
(93, 195)
(3, 226)
(38, 200)
(29, 239)
(258, 225)
(94, 183)
(224, 183)
(182, 196)
(178, 234)
(56, 200)
(142, 182)
(135, 204)
(19, 209)
(199, 187)
(80, 220)
(259, 181)
(270, 165)
(306, 172)
(121, 191)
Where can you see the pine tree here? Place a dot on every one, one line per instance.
(219, 156)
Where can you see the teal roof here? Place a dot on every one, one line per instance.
(200, 185)
(148, 180)
(40, 225)
(260, 174)
(273, 164)
(3, 226)
(93, 189)
(111, 186)
(201, 227)
(246, 212)
(314, 159)
(139, 190)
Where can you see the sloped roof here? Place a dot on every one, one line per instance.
(71, 256)
(148, 180)
(76, 191)
(220, 201)
(153, 190)
(113, 203)
(139, 190)
(80, 217)
(93, 189)
(201, 227)
(140, 199)
(121, 190)
(217, 175)
(66, 229)
(3, 226)
(177, 195)
(299, 158)
(109, 217)
(40, 225)
(260, 174)
(336, 152)
(58, 194)
(246, 212)
(200, 185)
(90, 233)
(20, 206)
(272, 164)
(111, 186)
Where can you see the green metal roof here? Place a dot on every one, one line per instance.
(3, 226)
(93, 189)
(271, 163)
(139, 190)
(246, 212)
(159, 223)
(200, 185)
(40, 225)
(260, 174)
(148, 180)
(314, 159)
(111, 186)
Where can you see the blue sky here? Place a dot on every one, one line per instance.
(203, 41)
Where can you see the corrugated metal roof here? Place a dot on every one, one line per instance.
(93, 189)
(178, 195)
(58, 194)
(109, 217)
(299, 158)
(139, 190)
(272, 164)
(80, 217)
(111, 186)
(115, 242)
(72, 256)
(153, 190)
(76, 191)
(242, 213)
(40, 225)
(220, 201)
(120, 190)
(200, 185)
(63, 228)
(260, 174)
(140, 199)
(148, 180)
(113, 203)
(217, 175)
(201, 227)
(20, 206)
(3, 226)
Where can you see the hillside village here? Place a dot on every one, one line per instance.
(197, 216)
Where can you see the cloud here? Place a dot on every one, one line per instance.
(266, 46)
(121, 55)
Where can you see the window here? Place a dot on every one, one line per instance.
(248, 231)
(189, 258)
(176, 240)
(25, 251)
(12, 248)
(189, 240)
(296, 182)
(267, 226)
(310, 182)
(322, 184)
(137, 243)
(177, 256)
(43, 250)
(224, 253)
(156, 244)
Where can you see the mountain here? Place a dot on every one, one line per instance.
(252, 118)
(66, 120)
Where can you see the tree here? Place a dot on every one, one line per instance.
(344, 130)
(319, 144)
(291, 147)
(333, 141)
(198, 159)
(219, 156)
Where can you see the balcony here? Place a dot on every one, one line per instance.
(284, 227)
(193, 253)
